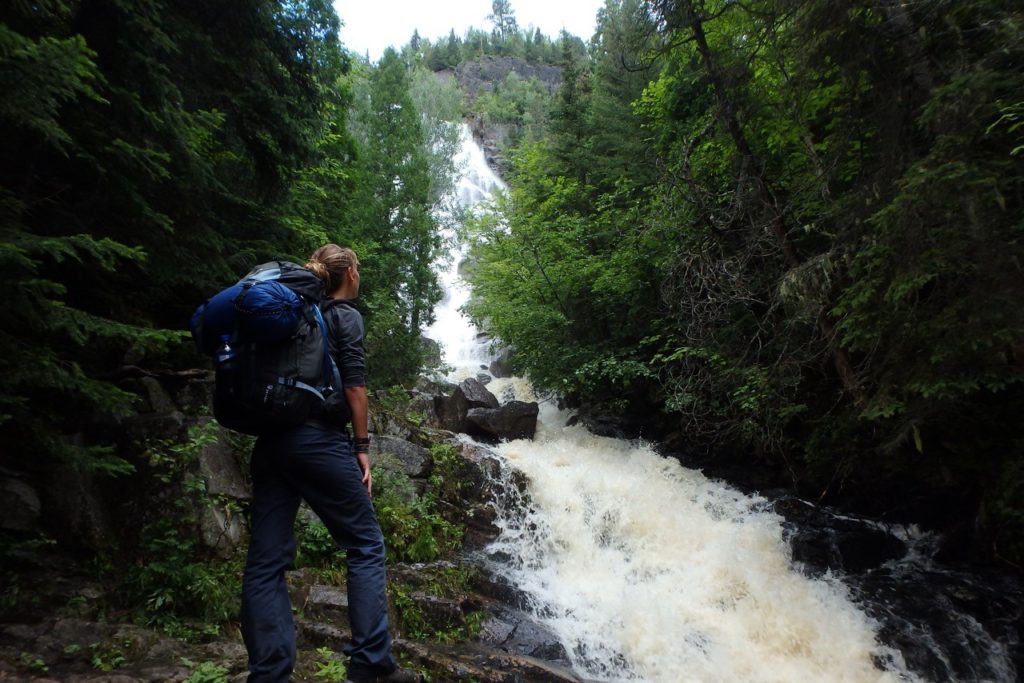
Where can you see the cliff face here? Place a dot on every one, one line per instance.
(481, 76)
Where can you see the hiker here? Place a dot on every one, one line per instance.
(319, 463)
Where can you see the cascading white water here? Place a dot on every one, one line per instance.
(646, 570)
(650, 571)
(461, 350)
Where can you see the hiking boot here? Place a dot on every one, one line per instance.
(399, 675)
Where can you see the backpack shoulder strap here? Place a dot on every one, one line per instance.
(332, 376)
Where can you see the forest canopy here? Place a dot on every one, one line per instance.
(781, 228)
(153, 154)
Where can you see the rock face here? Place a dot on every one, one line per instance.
(502, 365)
(21, 504)
(478, 470)
(514, 420)
(481, 74)
(399, 455)
(822, 541)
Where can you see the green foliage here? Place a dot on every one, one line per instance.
(329, 668)
(449, 52)
(32, 662)
(442, 582)
(786, 229)
(522, 104)
(109, 655)
(172, 582)
(205, 672)
(402, 178)
(314, 546)
(414, 529)
(124, 141)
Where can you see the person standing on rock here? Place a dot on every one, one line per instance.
(318, 462)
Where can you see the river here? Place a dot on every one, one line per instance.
(648, 571)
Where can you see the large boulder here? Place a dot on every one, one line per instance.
(400, 456)
(451, 411)
(514, 420)
(477, 395)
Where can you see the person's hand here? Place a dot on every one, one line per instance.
(364, 465)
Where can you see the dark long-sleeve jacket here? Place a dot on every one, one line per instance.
(345, 325)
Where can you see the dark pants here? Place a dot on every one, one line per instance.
(318, 466)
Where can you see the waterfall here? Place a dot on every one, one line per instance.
(649, 571)
(646, 570)
(461, 348)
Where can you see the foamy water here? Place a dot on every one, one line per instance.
(645, 570)
(650, 571)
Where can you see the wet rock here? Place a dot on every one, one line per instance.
(451, 410)
(514, 420)
(481, 663)
(502, 365)
(822, 540)
(484, 378)
(500, 588)
(517, 632)
(944, 622)
(604, 423)
(477, 395)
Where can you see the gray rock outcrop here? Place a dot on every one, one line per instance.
(514, 420)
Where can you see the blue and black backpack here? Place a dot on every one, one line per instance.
(270, 348)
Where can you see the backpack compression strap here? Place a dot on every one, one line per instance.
(331, 375)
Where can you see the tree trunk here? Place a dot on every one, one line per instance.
(730, 120)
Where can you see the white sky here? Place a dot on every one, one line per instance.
(372, 25)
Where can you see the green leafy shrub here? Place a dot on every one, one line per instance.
(174, 582)
(414, 529)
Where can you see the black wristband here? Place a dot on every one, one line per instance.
(361, 444)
